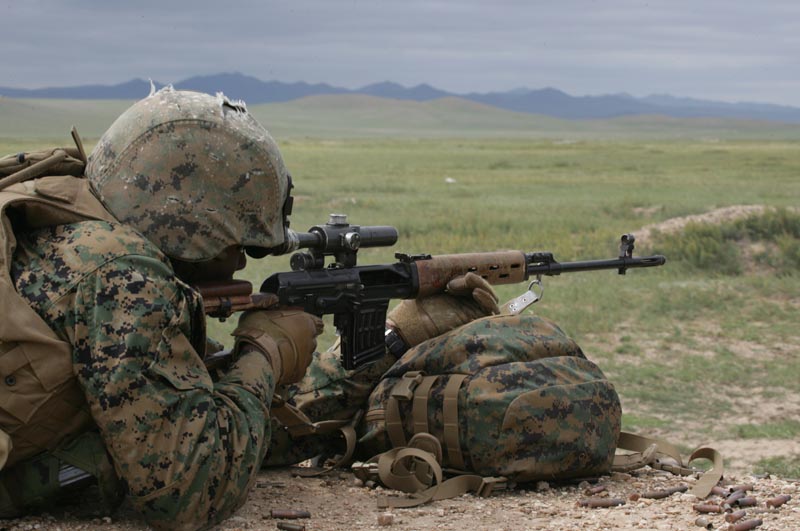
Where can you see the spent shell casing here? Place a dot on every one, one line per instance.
(665, 493)
(597, 489)
(735, 516)
(746, 487)
(735, 495)
(747, 501)
(707, 508)
(719, 491)
(595, 503)
(289, 514)
(777, 501)
(702, 521)
(288, 526)
(746, 525)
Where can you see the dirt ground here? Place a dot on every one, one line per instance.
(339, 503)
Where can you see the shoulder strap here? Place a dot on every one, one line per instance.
(57, 161)
(662, 455)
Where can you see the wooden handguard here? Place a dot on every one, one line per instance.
(221, 299)
(501, 267)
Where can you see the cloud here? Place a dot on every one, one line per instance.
(584, 47)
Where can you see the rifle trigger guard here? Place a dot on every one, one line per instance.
(519, 304)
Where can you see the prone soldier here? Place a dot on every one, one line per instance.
(102, 343)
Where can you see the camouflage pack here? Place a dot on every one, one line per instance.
(508, 397)
(41, 403)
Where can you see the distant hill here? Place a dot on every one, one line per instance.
(335, 116)
(546, 101)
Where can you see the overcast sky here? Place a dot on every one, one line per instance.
(734, 50)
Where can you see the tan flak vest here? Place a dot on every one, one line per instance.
(41, 402)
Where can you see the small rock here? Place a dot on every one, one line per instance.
(385, 519)
(542, 486)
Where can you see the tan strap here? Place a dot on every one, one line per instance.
(405, 386)
(34, 170)
(637, 443)
(298, 424)
(394, 423)
(708, 480)
(395, 473)
(396, 469)
(430, 444)
(294, 420)
(633, 461)
(419, 410)
(644, 455)
(451, 426)
(402, 390)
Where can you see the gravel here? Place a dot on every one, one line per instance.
(339, 503)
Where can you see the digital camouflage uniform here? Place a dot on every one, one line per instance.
(187, 447)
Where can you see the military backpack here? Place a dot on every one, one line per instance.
(44, 442)
(501, 399)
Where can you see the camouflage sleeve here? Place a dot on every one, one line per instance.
(188, 448)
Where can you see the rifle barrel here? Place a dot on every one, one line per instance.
(621, 264)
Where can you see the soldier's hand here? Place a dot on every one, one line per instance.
(287, 338)
(467, 298)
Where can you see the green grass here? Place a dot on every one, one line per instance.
(682, 342)
(720, 249)
(784, 429)
(788, 467)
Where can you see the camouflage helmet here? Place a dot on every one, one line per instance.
(194, 173)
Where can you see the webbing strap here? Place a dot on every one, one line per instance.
(634, 461)
(403, 390)
(653, 451)
(395, 472)
(394, 423)
(34, 170)
(637, 443)
(450, 413)
(294, 420)
(298, 424)
(708, 480)
(419, 411)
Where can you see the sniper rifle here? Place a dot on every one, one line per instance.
(358, 296)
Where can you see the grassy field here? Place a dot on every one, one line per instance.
(702, 350)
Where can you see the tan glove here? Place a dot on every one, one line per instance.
(467, 298)
(287, 338)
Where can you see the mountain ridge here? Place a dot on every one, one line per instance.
(546, 101)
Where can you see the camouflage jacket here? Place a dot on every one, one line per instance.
(188, 447)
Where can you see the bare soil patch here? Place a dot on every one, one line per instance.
(716, 216)
(338, 504)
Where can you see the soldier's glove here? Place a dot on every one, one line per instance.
(287, 338)
(467, 298)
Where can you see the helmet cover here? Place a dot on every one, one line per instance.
(194, 173)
